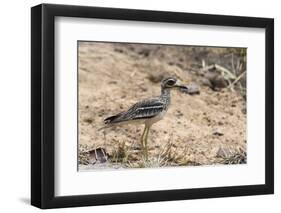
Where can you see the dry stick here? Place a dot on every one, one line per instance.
(238, 65)
(239, 71)
(221, 69)
(104, 140)
(203, 63)
(230, 87)
(232, 63)
(224, 70)
(206, 68)
(237, 79)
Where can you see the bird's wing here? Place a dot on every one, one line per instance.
(142, 110)
(146, 109)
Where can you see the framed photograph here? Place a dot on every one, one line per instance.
(139, 106)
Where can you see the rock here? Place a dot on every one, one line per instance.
(97, 155)
(215, 80)
(191, 89)
(88, 120)
(217, 132)
(223, 153)
(220, 123)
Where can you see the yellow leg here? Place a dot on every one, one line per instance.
(146, 147)
(143, 139)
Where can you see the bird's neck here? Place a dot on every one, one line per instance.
(165, 92)
(165, 96)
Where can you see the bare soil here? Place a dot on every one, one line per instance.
(205, 129)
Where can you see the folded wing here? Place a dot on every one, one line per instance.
(145, 109)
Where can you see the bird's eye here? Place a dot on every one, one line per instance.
(171, 82)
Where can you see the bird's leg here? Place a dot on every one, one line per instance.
(142, 139)
(145, 140)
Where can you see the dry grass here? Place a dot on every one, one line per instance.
(167, 155)
(235, 156)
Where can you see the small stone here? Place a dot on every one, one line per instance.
(223, 153)
(217, 132)
(220, 123)
(97, 155)
(88, 120)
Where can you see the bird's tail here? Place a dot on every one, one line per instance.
(110, 121)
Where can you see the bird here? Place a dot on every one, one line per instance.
(147, 111)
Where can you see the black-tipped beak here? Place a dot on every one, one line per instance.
(182, 88)
(191, 90)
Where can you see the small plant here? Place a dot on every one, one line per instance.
(120, 154)
(83, 155)
(236, 156)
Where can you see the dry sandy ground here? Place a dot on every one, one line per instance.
(197, 130)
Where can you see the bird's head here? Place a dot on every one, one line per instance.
(170, 83)
(173, 83)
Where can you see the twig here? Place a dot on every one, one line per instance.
(237, 79)
(206, 68)
(221, 69)
(203, 63)
(238, 65)
(232, 63)
(224, 70)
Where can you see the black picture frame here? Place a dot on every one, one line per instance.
(43, 102)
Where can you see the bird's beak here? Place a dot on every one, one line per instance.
(191, 90)
(181, 87)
